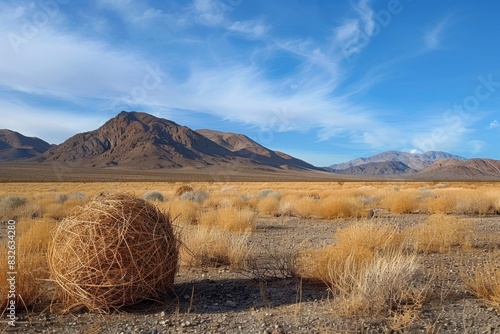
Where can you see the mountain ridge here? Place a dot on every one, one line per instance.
(416, 161)
(141, 140)
(16, 146)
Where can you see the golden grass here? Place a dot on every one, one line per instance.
(182, 212)
(366, 268)
(32, 241)
(439, 234)
(268, 205)
(484, 281)
(209, 246)
(338, 207)
(401, 201)
(229, 218)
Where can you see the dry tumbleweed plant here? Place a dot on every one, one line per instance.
(116, 251)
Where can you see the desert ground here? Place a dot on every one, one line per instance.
(281, 257)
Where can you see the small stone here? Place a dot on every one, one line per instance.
(231, 304)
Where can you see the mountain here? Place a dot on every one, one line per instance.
(453, 169)
(416, 161)
(14, 146)
(245, 147)
(377, 168)
(135, 139)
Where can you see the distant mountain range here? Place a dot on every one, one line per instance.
(14, 146)
(141, 141)
(410, 162)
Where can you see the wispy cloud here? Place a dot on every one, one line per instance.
(353, 35)
(495, 124)
(250, 29)
(434, 36)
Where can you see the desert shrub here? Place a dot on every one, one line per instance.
(439, 234)
(194, 196)
(183, 189)
(268, 205)
(230, 219)
(17, 207)
(75, 196)
(61, 198)
(484, 280)
(207, 246)
(269, 193)
(153, 196)
(10, 204)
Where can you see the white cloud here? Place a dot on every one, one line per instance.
(495, 124)
(211, 12)
(433, 38)
(355, 34)
(250, 29)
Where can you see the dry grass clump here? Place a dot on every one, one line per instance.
(366, 268)
(183, 212)
(207, 246)
(16, 207)
(442, 204)
(33, 238)
(229, 218)
(338, 207)
(473, 202)
(268, 205)
(439, 234)
(116, 251)
(303, 206)
(401, 201)
(484, 281)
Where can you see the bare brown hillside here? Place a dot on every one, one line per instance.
(473, 169)
(140, 140)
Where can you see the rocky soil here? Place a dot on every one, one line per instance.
(263, 299)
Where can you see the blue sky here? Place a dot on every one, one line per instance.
(326, 81)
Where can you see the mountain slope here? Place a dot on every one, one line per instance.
(14, 146)
(377, 168)
(245, 147)
(453, 169)
(134, 139)
(416, 161)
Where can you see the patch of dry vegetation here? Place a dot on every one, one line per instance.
(367, 269)
(33, 238)
(484, 280)
(209, 246)
(229, 219)
(439, 234)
